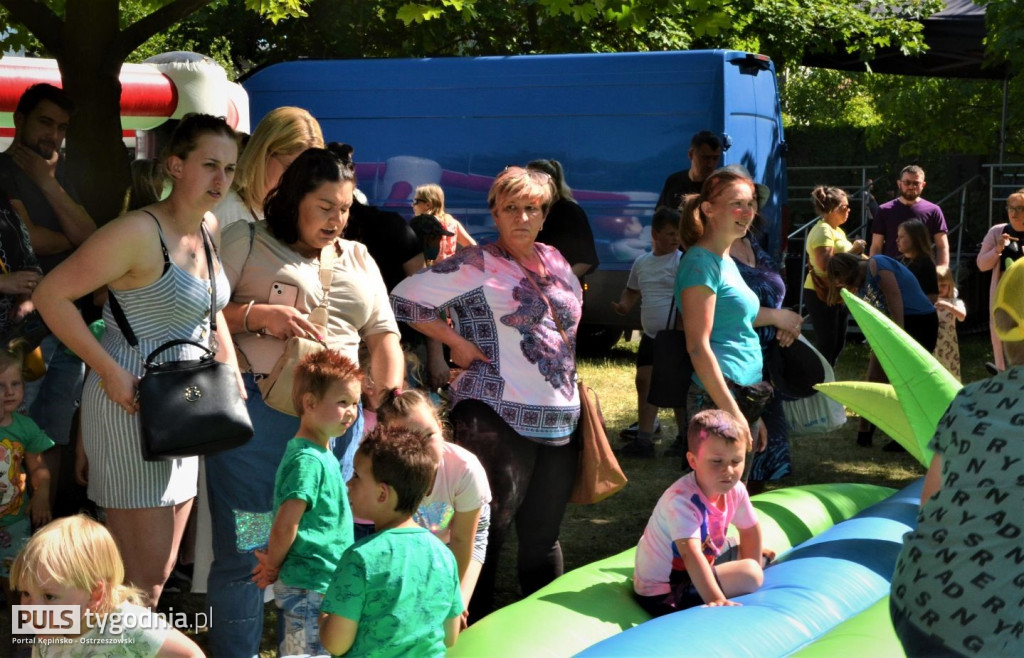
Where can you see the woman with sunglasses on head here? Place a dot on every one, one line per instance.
(429, 199)
(825, 240)
(1003, 245)
(291, 276)
(517, 304)
(279, 138)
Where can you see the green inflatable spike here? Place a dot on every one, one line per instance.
(923, 386)
(878, 403)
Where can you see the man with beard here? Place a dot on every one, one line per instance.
(909, 205)
(705, 153)
(34, 179)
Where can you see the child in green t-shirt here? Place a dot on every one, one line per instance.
(22, 445)
(313, 523)
(395, 592)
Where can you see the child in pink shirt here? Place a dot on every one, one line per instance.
(683, 559)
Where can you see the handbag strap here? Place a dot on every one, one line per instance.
(118, 312)
(551, 309)
(327, 258)
(670, 323)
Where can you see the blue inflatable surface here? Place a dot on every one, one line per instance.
(809, 591)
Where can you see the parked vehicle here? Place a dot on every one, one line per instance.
(619, 124)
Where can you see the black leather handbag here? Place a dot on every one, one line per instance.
(672, 370)
(192, 407)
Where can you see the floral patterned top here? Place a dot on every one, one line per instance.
(531, 379)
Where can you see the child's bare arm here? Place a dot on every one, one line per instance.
(627, 300)
(451, 630)
(750, 543)
(337, 633)
(282, 536)
(39, 476)
(700, 573)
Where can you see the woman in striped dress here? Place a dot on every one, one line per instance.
(154, 263)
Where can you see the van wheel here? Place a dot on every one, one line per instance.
(596, 340)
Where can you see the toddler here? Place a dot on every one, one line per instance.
(313, 522)
(683, 559)
(21, 461)
(395, 592)
(457, 508)
(951, 310)
(74, 561)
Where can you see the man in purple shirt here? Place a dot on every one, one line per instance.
(909, 205)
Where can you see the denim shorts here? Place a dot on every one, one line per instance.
(298, 628)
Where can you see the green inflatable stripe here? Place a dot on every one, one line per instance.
(878, 403)
(868, 634)
(924, 387)
(595, 601)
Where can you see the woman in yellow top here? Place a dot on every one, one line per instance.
(823, 241)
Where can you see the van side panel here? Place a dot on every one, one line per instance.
(619, 124)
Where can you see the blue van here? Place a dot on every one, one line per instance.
(619, 123)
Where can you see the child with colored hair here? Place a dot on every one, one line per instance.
(683, 558)
(74, 561)
(457, 508)
(395, 592)
(951, 310)
(22, 443)
(313, 522)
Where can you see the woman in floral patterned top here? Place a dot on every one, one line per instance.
(516, 305)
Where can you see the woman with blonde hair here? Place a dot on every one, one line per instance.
(74, 561)
(279, 138)
(999, 250)
(429, 199)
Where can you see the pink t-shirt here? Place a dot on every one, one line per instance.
(684, 512)
(460, 486)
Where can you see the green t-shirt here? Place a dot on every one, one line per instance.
(311, 473)
(400, 586)
(19, 438)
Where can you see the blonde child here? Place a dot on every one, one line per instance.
(21, 446)
(313, 523)
(430, 199)
(74, 561)
(457, 508)
(681, 557)
(951, 310)
(395, 592)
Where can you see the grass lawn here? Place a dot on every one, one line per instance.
(593, 532)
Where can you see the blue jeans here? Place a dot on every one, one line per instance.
(53, 399)
(298, 627)
(240, 483)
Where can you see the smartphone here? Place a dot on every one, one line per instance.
(284, 294)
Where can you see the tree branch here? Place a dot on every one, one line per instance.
(141, 30)
(39, 20)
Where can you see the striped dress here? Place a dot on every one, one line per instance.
(175, 306)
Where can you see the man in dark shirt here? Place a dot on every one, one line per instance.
(909, 205)
(705, 153)
(33, 177)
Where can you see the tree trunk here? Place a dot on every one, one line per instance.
(90, 65)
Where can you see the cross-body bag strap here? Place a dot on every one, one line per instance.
(327, 259)
(551, 309)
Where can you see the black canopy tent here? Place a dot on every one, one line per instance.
(956, 49)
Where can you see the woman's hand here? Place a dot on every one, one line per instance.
(464, 353)
(122, 388)
(282, 322)
(19, 283)
(762, 437)
(858, 247)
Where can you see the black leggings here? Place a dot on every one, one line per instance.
(829, 323)
(530, 484)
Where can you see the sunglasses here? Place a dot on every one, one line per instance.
(418, 200)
